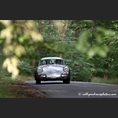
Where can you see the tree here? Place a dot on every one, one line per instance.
(83, 44)
(16, 36)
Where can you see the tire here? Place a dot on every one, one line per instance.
(67, 81)
(38, 81)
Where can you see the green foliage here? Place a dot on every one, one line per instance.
(81, 69)
(91, 39)
(3, 73)
(25, 68)
(106, 81)
(17, 36)
(89, 47)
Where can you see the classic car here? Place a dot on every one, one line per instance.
(52, 68)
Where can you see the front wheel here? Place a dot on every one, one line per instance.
(38, 81)
(67, 81)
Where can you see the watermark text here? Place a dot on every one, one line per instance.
(96, 94)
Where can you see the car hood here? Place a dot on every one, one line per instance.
(52, 68)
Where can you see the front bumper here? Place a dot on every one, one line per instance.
(44, 77)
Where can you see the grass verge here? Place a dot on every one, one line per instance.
(18, 89)
(105, 81)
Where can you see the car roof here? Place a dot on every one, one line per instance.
(51, 58)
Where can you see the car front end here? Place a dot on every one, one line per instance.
(52, 68)
(53, 72)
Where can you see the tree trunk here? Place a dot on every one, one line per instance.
(40, 25)
(64, 28)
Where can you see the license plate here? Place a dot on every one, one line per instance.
(53, 77)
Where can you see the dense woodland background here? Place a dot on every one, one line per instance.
(89, 47)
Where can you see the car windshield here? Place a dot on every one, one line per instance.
(51, 61)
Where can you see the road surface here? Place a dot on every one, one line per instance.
(56, 89)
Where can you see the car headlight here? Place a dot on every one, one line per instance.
(39, 70)
(66, 69)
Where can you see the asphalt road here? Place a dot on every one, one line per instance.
(56, 89)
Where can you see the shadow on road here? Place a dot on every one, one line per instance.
(49, 82)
